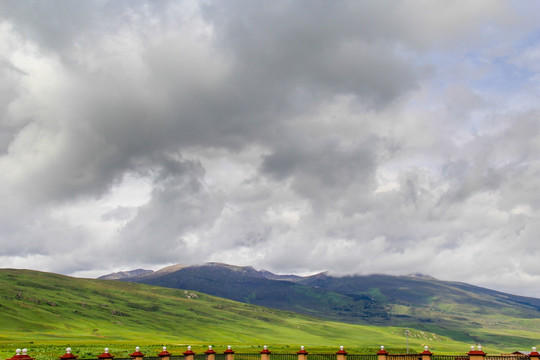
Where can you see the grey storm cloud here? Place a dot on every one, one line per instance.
(252, 132)
(319, 52)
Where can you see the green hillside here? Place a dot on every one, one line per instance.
(47, 312)
(245, 284)
(459, 311)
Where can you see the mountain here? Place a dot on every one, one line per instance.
(138, 273)
(421, 290)
(458, 310)
(48, 312)
(121, 275)
(50, 309)
(245, 284)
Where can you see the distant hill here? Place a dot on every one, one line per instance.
(245, 284)
(121, 275)
(458, 310)
(139, 273)
(48, 312)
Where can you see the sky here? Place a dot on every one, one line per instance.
(353, 137)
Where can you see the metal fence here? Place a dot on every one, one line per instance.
(311, 356)
(449, 357)
(404, 356)
(276, 356)
(294, 356)
(320, 357)
(361, 357)
(249, 356)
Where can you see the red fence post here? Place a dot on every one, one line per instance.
(382, 354)
(229, 353)
(265, 353)
(534, 355)
(68, 355)
(106, 355)
(302, 354)
(341, 354)
(164, 354)
(476, 354)
(137, 355)
(18, 355)
(426, 354)
(210, 353)
(189, 355)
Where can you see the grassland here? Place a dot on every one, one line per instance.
(462, 312)
(47, 312)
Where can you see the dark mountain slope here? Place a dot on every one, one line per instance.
(248, 285)
(461, 311)
(52, 311)
(121, 275)
(426, 291)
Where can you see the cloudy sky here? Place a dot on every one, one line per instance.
(298, 136)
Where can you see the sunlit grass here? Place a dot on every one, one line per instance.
(47, 313)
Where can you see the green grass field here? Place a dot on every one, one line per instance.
(47, 312)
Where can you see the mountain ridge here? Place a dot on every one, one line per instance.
(421, 302)
(125, 274)
(45, 305)
(44, 309)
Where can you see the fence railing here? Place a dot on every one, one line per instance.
(361, 357)
(229, 354)
(250, 356)
(404, 356)
(278, 356)
(319, 357)
(449, 357)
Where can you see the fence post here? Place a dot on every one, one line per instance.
(426, 354)
(164, 354)
(265, 353)
(382, 354)
(68, 355)
(189, 355)
(18, 355)
(210, 353)
(105, 355)
(476, 354)
(534, 355)
(341, 354)
(302, 354)
(137, 355)
(229, 353)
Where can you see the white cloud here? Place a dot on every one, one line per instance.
(347, 136)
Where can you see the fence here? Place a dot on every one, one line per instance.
(404, 356)
(361, 357)
(229, 354)
(449, 357)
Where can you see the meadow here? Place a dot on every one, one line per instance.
(48, 312)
